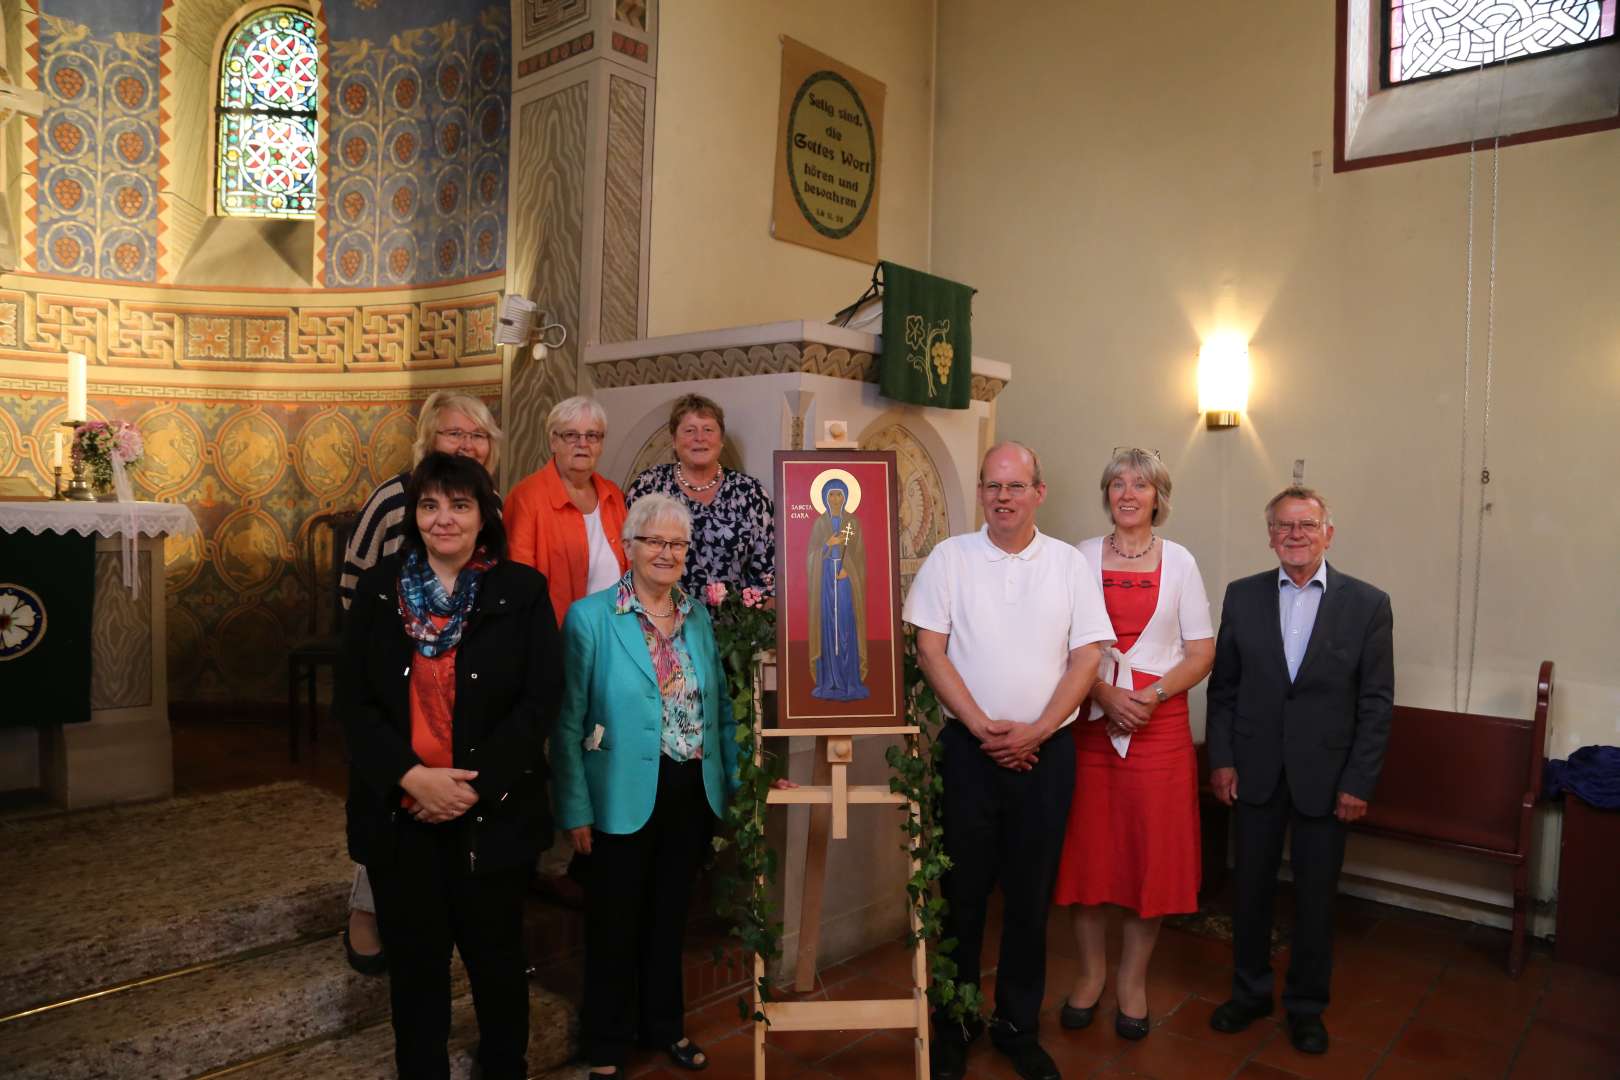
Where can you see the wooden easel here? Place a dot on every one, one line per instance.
(830, 795)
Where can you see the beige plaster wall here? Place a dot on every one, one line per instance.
(714, 262)
(1119, 184)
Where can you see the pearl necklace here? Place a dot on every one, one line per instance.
(658, 614)
(680, 478)
(1152, 539)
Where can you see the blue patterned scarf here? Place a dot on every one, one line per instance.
(421, 594)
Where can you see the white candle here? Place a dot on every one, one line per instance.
(78, 387)
(57, 461)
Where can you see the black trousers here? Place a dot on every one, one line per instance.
(638, 887)
(426, 903)
(1004, 827)
(1315, 856)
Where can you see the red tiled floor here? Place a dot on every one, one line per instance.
(1168, 1056)
(1344, 1060)
(1452, 1053)
(1192, 1021)
(1414, 996)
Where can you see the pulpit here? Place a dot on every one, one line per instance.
(778, 384)
(82, 656)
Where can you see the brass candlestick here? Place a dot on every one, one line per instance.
(78, 488)
(56, 484)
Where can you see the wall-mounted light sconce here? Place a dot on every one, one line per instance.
(521, 321)
(1223, 380)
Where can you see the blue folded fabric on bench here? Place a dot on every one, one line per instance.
(1592, 773)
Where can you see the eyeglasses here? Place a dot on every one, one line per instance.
(1015, 489)
(660, 545)
(456, 435)
(1118, 450)
(588, 438)
(1284, 528)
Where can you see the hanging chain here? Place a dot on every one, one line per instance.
(1468, 380)
(1490, 370)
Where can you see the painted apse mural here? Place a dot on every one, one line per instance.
(261, 408)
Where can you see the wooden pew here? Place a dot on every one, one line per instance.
(1464, 782)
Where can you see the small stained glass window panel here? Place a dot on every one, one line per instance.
(1437, 37)
(266, 149)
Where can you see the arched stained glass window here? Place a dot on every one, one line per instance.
(266, 151)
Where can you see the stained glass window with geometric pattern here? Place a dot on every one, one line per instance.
(266, 151)
(1437, 37)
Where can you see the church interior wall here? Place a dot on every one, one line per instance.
(714, 262)
(267, 391)
(1116, 206)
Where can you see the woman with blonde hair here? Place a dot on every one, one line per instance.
(450, 422)
(1132, 839)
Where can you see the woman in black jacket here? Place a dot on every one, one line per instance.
(447, 689)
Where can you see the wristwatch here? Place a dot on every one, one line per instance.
(1158, 692)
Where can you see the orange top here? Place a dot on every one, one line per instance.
(545, 530)
(433, 707)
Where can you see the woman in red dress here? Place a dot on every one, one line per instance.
(1133, 827)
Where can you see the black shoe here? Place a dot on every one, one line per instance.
(947, 1052)
(1130, 1027)
(1023, 1050)
(365, 963)
(1234, 1016)
(1308, 1034)
(687, 1056)
(1074, 1019)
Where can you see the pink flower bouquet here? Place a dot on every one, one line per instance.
(98, 442)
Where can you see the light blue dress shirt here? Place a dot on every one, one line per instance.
(1297, 608)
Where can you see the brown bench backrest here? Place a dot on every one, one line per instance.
(1462, 778)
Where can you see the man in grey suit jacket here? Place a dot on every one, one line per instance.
(1299, 709)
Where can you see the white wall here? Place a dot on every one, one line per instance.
(714, 263)
(1118, 183)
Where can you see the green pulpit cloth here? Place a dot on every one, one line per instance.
(927, 339)
(47, 589)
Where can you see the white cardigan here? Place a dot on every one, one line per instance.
(1182, 615)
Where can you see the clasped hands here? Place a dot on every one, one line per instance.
(1012, 746)
(441, 794)
(1125, 711)
(1225, 784)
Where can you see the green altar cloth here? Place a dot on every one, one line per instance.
(927, 338)
(47, 591)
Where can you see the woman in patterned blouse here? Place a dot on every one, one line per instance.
(644, 759)
(733, 520)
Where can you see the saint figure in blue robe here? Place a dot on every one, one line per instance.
(837, 601)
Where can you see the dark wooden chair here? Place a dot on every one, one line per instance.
(1468, 783)
(325, 538)
(1465, 782)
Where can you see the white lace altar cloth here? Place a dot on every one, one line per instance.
(128, 520)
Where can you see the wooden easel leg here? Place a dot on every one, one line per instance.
(919, 957)
(815, 877)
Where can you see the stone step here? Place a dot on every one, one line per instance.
(200, 1020)
(99, 898)
(368, 1054)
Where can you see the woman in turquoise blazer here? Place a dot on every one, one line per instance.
(644, 757)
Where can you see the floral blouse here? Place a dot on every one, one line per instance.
(682, 738)
(733, 537)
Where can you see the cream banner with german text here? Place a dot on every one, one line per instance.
(829, 141)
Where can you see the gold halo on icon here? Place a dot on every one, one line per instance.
(821, 481)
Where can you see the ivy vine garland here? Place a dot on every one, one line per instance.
(742, 629)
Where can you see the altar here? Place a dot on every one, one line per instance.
(100, 733)
(779, 384)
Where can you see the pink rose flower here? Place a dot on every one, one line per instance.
(714, 593)
(750, 596)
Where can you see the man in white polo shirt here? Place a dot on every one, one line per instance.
(1010, 627)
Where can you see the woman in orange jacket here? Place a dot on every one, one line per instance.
(565, 519)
